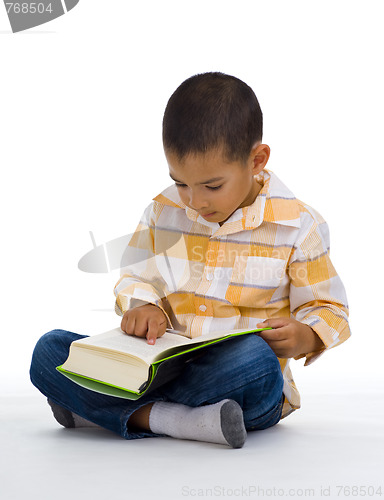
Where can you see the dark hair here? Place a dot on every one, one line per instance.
(209, 111)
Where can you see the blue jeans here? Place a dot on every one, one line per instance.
(244, 369)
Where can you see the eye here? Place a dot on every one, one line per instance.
(213, 188)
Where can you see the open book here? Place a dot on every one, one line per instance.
(125, 366)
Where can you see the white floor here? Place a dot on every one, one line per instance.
(332, 444)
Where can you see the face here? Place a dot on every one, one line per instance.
(212, 186)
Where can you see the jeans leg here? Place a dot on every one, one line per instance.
(109, 412)
(244, 369)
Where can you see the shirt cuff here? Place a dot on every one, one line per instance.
(322, 329)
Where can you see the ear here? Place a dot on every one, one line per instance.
(259, 157)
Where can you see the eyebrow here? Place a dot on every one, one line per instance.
(214, 179)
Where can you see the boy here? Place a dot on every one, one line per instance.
(253, 256)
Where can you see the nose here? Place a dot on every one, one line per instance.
(197, 201)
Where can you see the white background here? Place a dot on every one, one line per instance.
(81, 104)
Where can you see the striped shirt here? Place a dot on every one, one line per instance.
(268, 260)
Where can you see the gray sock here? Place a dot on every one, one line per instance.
(67, 418)
(221, 422)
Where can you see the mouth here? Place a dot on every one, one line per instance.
(208, 215)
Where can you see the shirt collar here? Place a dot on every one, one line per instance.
(275, 203)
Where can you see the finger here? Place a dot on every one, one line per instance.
(123, 322)
(130, 325)
(141, 326)
(273, 323)
(153, 329)
(281, 348)
(274, 343)
(162, 329)
(277, 334)
(268, 335)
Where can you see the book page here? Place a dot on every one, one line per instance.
(116, 340)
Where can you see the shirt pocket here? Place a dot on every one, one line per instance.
(254, 280)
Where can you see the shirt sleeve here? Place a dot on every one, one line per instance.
(140, 280)
(317, 295)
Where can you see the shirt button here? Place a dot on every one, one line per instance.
(203, 308)
(210, 276)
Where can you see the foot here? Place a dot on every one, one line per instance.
(67, 418)
(221, 422)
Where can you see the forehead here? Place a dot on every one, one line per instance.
(200, 167)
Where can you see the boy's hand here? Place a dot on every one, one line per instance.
(145, 321)
(289, 337)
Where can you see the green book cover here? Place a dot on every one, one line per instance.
(160, 371)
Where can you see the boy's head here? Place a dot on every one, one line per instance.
(212, 111)
(212, 131)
